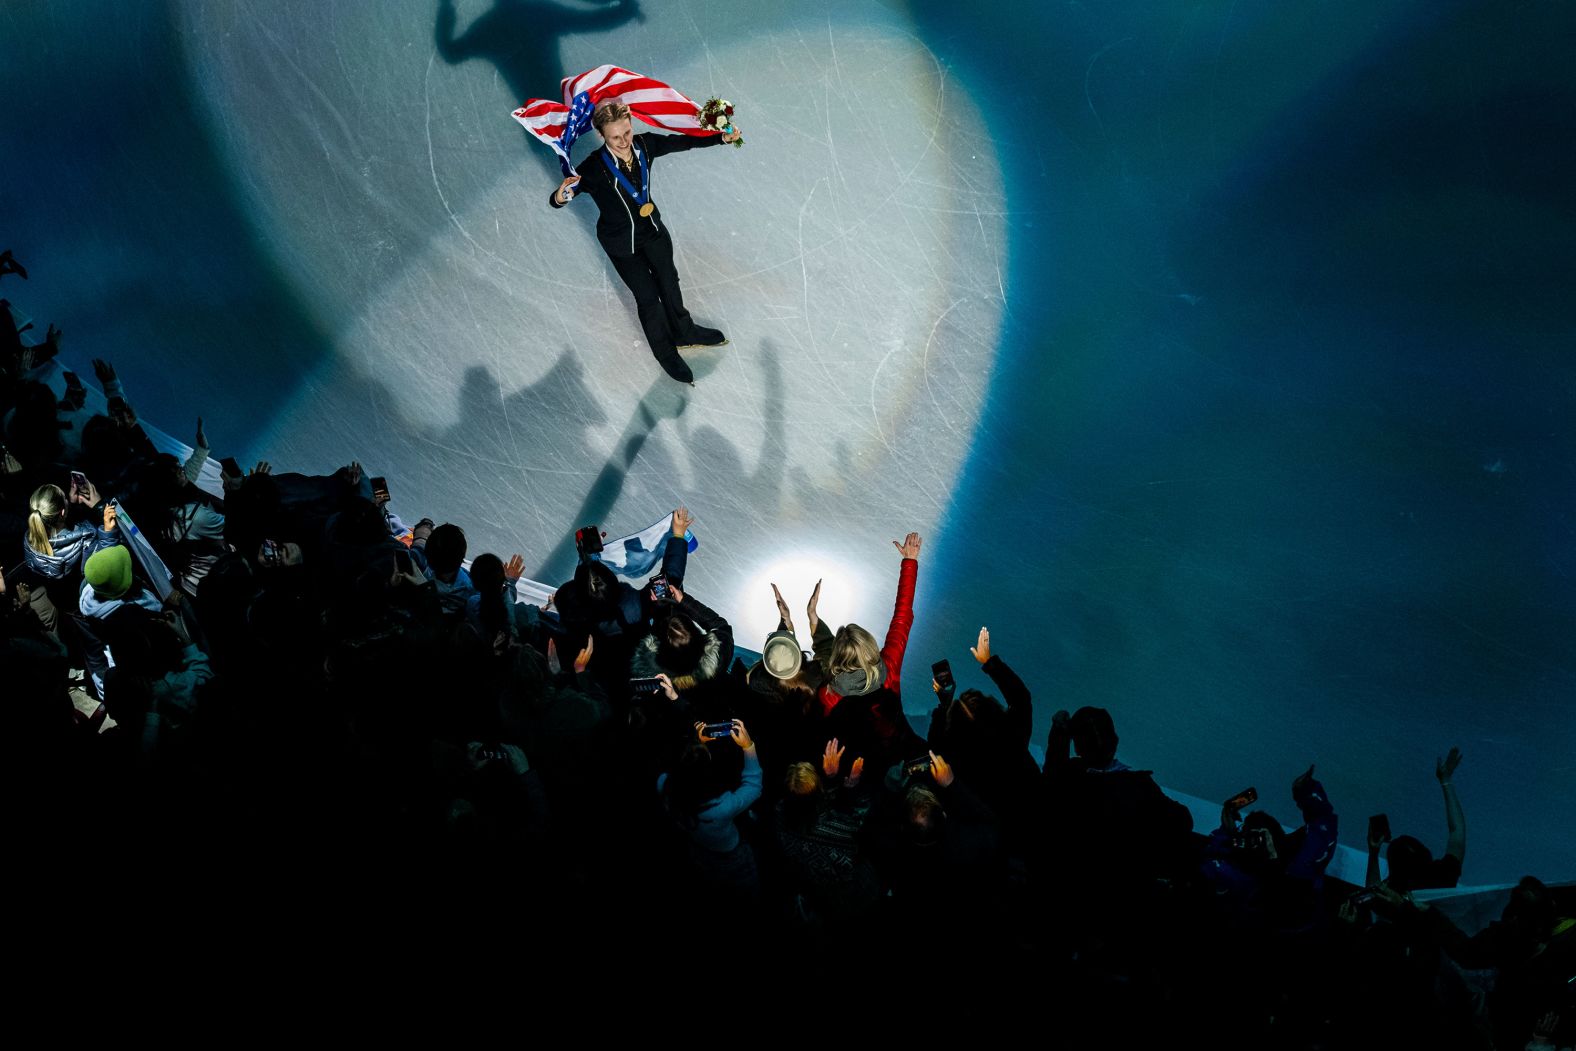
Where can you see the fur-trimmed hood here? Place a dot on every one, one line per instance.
(643, 663)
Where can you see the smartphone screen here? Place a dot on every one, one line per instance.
(1246, 797)
(941, 671)
(660, 589)
(79, 482)
(380, 486)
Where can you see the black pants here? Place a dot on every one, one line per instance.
(652, 279)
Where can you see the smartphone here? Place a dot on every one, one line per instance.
(1363, 897)
(718, 730)
(487, 754)
(645, 685)
(79, 483)
(230, 467)
(270, 553)
(1379, 828)
(588, 541)
(916, 766)
(1243, 799)
(661, 590)
(941, 671)
(403, 563)
(380, 488)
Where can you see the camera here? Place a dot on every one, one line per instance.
(645, 685)
(1253, 841)
(588, 540)
(716, 731)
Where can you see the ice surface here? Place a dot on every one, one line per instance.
(1222, 353)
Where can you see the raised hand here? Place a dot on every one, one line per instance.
(514, 569)
(856, 773)
(202, 439)
(815, 597)
(782, 608)
(554, 667)
(681, 521)
(941, 770)
(909, 548)
(353, 472)
(566, 192)
(981, 652)
(1444, 768)
(1302, 778)
(9, 265)
(832, 758)
(104, 371)
(263, 467)
(87, 496)
(583, 658)
(111, 518)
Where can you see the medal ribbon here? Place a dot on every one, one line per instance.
(644, 192)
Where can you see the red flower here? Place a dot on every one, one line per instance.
(730, 111)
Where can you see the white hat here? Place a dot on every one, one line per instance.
(781, 655)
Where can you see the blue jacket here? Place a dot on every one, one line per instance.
(714, 828)
(72, 547)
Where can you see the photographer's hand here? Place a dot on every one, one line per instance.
(668, 690)
(941, 771)
(741, 736)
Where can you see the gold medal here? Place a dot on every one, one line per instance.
(646, 209)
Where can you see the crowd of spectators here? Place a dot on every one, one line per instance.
(326, 708)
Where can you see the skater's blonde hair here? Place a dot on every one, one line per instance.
(608, 112)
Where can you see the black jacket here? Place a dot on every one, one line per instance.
(619, 226)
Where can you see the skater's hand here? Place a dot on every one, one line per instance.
(733, 136)
(566, 190)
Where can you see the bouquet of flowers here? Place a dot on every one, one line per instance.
(717, 115)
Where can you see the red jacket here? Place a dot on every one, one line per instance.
(896, 638)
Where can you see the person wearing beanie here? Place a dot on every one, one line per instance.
(107, 586)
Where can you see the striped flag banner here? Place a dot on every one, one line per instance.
(559, 124)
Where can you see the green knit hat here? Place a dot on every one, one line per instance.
(108, 572)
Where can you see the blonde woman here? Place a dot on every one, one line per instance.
(860, 701)
(53, 550)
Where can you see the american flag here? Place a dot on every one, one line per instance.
(559, 124)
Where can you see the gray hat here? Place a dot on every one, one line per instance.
(781, 655)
